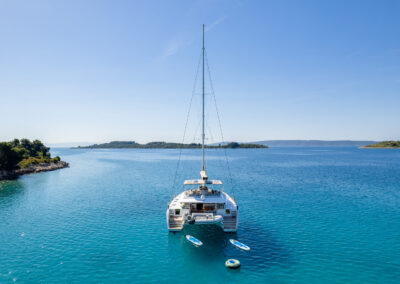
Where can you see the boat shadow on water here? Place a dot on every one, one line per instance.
(266, 251)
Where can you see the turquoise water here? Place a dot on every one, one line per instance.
(310, 215)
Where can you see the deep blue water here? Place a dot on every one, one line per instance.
(310, 215)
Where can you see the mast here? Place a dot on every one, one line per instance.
(203, 135)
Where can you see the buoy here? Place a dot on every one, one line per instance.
(194, 241)
(232, 263)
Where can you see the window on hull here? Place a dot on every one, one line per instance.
(206, 207)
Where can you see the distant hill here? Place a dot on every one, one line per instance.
(256, 144)
(314, 143)
(384, 144)
(166, 145)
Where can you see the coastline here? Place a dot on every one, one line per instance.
(364, 147)
(13, 174)
(392, 144)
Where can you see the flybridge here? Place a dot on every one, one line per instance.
(202, 181)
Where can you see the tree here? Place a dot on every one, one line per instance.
(15, 143)
(233, 145)
(26, 144)
(8, 157)
(39, 149)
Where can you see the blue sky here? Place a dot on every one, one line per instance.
(124, 70)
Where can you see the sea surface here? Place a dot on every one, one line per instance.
(310, 215)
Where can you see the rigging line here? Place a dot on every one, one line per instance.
(216, 150)
(195, 132)
(219, 120)
(210, 140)
(220, 156)
(186, 123)
(193, 140)
(208, 129)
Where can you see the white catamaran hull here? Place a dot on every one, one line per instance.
(189, 209)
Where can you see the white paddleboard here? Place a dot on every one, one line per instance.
(194, 241)
(239, 244)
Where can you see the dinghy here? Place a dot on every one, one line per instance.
(194, 241)
(239, 245)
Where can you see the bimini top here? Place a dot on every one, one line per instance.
(201, 181)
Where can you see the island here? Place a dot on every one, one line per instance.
(20, 157)
(167, 145)
(384, 144)
(315, 143)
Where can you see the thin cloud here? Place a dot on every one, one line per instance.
(173, 47)
(215, 23)
(176, 44)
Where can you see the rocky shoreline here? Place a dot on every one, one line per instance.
(367, 147)
(13, 174)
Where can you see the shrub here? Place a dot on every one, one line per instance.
(56, 159)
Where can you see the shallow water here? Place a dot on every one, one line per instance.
(310, 215)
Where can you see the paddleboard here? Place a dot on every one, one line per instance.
(239, 244)
(194, 241)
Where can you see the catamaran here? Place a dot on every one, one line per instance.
(203, 201)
